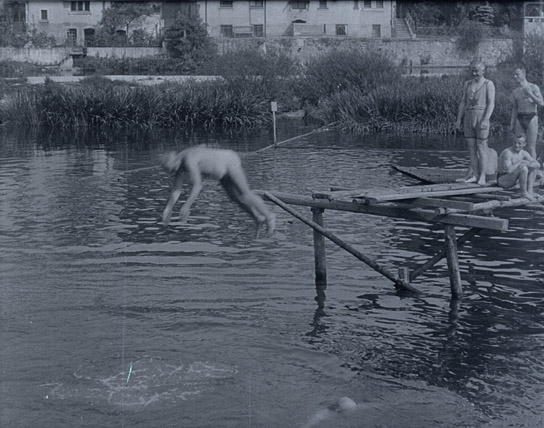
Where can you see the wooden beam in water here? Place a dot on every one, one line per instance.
(492, 223)
(453, 261)
(399, 283)
(320, 258)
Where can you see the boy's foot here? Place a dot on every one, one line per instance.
(529, 196)
(482, 182)
(270, 224)
(471, 180)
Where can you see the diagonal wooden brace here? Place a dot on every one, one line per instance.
(399, 283)
(441, 254)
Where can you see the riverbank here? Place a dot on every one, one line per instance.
(360, 91)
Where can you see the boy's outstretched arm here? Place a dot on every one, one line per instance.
(196, 181)
(174, 196)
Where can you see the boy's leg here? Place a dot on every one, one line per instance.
(507, 181)
(524, 183)
(531, 134)
(469, 125)
(473, 155)
(482, 159)
(254, 202)
(531, 176)
(234, 193)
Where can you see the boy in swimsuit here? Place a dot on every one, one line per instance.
(518, 166)
(476, 106)
(525, 100)
(222, 165)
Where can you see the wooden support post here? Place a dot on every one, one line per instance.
(441, 254)
(399, 284)
(404, 274)
(453, 262)
(319, 250)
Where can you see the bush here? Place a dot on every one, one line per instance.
(134, 66)
(338, 71)
(471, 34)
(99, 102)
(533, 58)
(188, 38)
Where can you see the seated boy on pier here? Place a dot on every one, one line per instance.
(219, 164)
(518, 166)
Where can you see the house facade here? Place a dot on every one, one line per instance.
(71, 22)
(533, 17)
(75, 22)
(275, 18)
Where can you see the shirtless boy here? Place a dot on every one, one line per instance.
(222, 165)
(525, 100)
(475, 110)
(518, 166)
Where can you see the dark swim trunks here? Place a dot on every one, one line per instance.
(524, 119)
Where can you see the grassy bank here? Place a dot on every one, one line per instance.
(100, 102)
(361, 91)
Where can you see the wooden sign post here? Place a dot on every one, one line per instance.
(274, 108)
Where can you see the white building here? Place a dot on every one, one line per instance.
(75, 22)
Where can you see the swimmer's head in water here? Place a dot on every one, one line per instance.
(343, 404)
(171, 161)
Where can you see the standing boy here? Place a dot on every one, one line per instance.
(525, 100)
(476, 106)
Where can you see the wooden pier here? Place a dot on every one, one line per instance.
(448, 205)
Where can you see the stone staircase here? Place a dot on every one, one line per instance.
(401, 29)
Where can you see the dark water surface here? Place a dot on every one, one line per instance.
(108, 319)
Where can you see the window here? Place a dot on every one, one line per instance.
(356, 4)
(379, 4)
(256, 3)
(258, 30)
(71, 37)
(225, 4)
(299, 5)
(80, 6)
(43, 15)
(322, 4)
(376, 30)
(88, 36)
(367, 4)
(341, 30)
(226, 31)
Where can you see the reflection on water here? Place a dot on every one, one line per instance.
(110, 319)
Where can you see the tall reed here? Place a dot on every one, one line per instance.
(99, 102)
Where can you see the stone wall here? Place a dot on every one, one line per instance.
(124, 52)
(418, 52)
(48, 56)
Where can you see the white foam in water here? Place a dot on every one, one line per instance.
(150, 381)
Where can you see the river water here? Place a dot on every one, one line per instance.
(109, 319)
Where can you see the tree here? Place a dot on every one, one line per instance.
(122, 15)
(188, 38)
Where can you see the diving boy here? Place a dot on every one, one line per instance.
(222, 165)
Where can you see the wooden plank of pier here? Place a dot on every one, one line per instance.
(373, 198)
(489, 205)
(342, 193)
(385, 210)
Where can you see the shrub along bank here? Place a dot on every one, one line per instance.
(361, 91)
